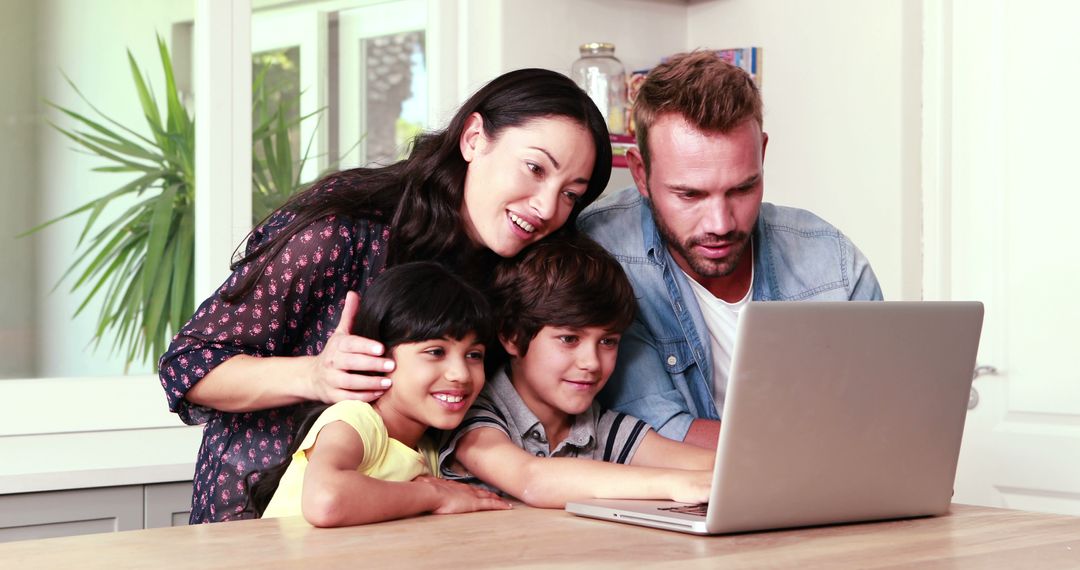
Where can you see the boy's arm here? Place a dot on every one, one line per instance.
(552, 481)
(336, 494)
(658, 451)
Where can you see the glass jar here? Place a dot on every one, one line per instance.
(603, 77)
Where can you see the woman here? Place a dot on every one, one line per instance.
(518, 161)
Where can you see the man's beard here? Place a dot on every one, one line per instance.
(701, 265)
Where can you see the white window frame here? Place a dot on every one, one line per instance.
(84, 416)
(223, 138)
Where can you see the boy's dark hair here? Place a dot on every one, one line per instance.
(565, 281)
(411, 302)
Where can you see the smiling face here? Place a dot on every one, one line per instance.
(434, 383)
(523, 184)
(705, 190)
(563, 371)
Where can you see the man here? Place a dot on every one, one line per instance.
(698, 244)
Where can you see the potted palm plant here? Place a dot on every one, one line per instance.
(140, 263)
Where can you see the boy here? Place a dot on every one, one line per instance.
(560, 311)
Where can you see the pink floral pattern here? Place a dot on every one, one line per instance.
(290, 312)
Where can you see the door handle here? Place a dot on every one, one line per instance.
(980, 370)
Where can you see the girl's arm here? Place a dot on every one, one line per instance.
(550, 482)
(335, 494)
(658, 451)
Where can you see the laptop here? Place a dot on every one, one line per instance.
(834, 412)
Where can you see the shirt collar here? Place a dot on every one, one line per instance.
(582, 432)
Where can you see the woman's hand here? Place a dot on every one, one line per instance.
(454, 497)
(332, 375)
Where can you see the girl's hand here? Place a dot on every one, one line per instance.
(454, 497)
(331, 377)
(692, 487)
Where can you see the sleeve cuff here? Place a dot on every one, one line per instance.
(677, 427)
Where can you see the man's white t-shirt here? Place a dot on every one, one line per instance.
(721, 318)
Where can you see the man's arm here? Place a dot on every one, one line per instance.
(866, 286)
(658, 451)
(703, 433)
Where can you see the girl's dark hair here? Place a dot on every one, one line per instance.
(568, 281)
(412, 302)
(421, 196)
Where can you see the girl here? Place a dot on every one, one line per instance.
(517, 162)
(357, 463)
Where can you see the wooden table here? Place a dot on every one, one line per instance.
(970, 537)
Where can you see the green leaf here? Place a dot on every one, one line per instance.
(180, 309)
(116, 169)
(284, 155)
(149, 106)
(100, 151)
(106, 117)
(160, 229)
(307, 153)
(137, 185)
(122, 148)
(178, 117)
(105, 253)
(97, 126)
(119, 257)
(155, 302)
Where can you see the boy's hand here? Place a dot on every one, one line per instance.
(692, 487)
(454, 497)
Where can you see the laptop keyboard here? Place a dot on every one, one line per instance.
(699, 509)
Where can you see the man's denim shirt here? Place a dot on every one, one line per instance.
(664, 370)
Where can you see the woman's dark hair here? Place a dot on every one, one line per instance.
(421, 197)
(412, 302)
(567, 281)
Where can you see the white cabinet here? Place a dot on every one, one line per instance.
(69, 473)
(50, 514)
(66, 513)
(166, 504)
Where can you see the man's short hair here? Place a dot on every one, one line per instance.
(562, 281)
(710, 93)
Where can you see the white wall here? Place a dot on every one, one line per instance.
(548, 34)
(841, 89)
(87, 41)
(19, 110)
(841, 86)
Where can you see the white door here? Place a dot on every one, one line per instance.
(305, 28)
(1002, 188)
(383, 86)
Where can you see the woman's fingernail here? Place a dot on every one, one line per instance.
(388, 365)
(386, 382)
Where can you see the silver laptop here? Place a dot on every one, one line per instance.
(835, 412)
